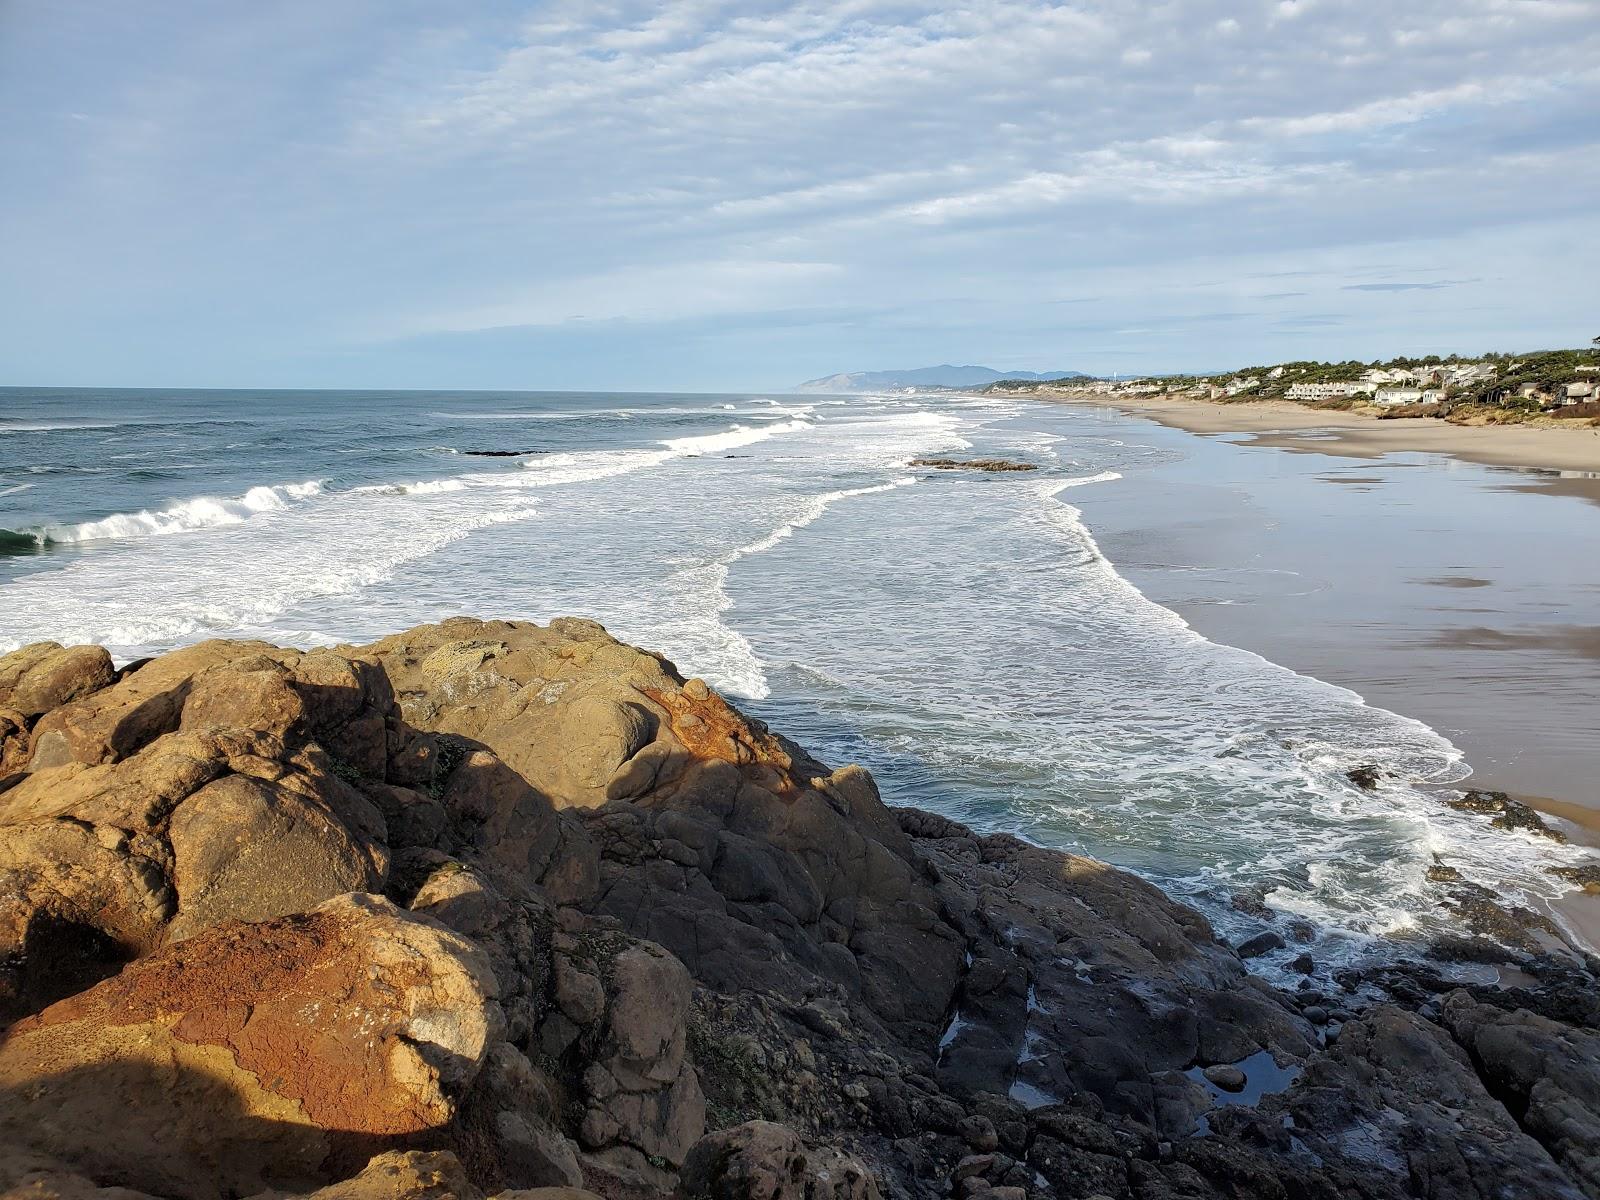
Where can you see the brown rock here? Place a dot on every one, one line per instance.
(247, 849)
(760, 1160)
(76, 902)
(256, 1055)
(404, 1175)
(116, 721)
(58, 677)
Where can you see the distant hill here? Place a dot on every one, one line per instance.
(941, 376)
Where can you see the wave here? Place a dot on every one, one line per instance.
(732, 439)
(21, 541)
(727, 654)
(201, 512)
(426, 487)
(14, 489)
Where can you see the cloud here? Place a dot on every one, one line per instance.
(313, 182)
(1435, 285)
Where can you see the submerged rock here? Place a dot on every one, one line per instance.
(1509, 813)
(992, 465)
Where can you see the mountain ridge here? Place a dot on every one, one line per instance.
(944, 375)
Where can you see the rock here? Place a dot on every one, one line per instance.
(1303, 963)
(1227, 1077)
(254, 1056)
(991, 465)
(1262, 943)
(404, 1175)
(117, 721)
(248, 849)
(1366, 777)
(979, 1133)
(52, 677)
(1547, 1071)
(76, 902)
(635, 912)
(1396, 1097)
(760, 1160)
(1509, 814)
(643, 1093)
(1585, 876)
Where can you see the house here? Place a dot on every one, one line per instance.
(1389, 397)
(1578, 393)
(1462, 374)
(1275, 373)
(1325, 391)
(1381, 375)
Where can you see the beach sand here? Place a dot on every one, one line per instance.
(1570, 456)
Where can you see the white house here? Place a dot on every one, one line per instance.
(1325, 391)
(1389, 397)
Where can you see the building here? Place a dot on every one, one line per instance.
(1461, 374)
(1326, 391)
(1389, 397)
(1578, 393)
(1381, 375)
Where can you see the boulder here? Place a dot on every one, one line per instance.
(760, 1160)
(277, 1054)
(1545, 1070)
(53, 678)
(117, 721)
(1395, 1097)
(249, 849)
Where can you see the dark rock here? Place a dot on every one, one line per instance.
(1509, 813)
(1227, 1077)
(975, 464)
(1366, 777)
(1262, 943)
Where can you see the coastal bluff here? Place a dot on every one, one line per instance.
(489, 908)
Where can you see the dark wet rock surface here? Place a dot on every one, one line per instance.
(991, 465)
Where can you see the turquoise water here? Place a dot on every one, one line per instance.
(960, 634)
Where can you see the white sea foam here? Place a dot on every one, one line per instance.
(704, 636)
(201, 512)
(732, 439)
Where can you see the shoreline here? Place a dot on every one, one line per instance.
(1571, 457)
(1548, 461)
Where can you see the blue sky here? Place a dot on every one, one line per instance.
(384, 193)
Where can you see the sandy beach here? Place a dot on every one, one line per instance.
(1570, 455)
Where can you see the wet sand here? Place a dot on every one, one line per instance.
(1563, 461)
(1466, 596)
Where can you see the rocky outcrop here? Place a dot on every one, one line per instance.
(256, 1055)
(489, 908)
(991, 465)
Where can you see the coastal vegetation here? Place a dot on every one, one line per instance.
(1540, 387)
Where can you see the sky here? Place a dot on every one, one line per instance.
(730, 196)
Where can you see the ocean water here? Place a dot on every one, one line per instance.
(960, 634)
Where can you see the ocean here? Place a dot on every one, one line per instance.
(960, 634)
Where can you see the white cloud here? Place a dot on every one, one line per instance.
(361, 166)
